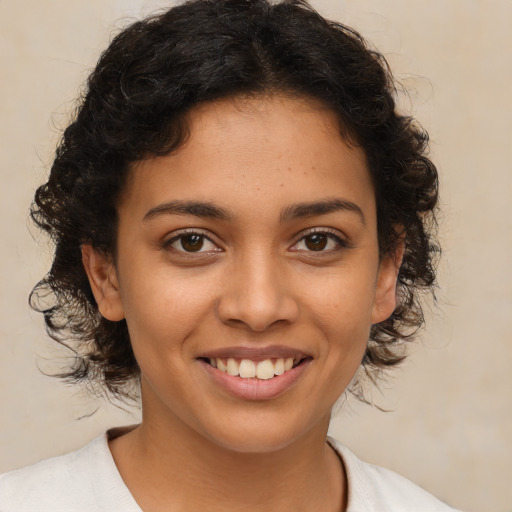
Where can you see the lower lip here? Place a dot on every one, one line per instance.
(257, 389)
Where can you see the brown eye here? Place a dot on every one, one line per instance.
(316, 241)
(321, 242)
(192, 243)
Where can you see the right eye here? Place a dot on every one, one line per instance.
(192, 243)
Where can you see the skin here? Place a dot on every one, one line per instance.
(260, 279)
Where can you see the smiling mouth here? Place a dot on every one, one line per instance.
(248, 369)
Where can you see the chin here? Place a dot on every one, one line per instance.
(253, 444)
(268, 434)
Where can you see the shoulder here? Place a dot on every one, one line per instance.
(84, 480)
(373, 488)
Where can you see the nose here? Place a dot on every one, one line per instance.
(257, 295)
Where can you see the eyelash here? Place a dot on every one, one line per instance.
(182, 235)
(341, 243)
(331, 235)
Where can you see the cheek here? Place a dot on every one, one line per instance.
(163, 309)
(343, 302)
(341, 310)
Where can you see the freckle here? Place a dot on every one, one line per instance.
(282, 185)
(257, 188)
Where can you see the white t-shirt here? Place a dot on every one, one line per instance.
(87, 480)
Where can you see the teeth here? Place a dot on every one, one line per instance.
(232, 367)
(247, 369)
(265, 369)
(220, 365)
(279, 367)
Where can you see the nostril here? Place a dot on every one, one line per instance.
(256, 300)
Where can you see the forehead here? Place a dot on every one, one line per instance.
(259, 152)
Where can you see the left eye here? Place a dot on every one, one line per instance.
(192, 242)
(318, 242)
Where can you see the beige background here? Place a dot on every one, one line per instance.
(450, 429)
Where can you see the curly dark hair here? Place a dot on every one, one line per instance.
(134, 107)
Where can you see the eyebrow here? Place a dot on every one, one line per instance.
(314, 208)
(205, 209)
(202, 209)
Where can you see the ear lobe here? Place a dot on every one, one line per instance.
(385, 294)
(104, 283)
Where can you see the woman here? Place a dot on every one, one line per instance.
(242, 223)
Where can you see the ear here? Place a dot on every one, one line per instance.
(104, 283)
(385, 293)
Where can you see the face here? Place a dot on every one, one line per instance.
(251, 250)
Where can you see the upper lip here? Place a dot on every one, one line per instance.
(255, 353)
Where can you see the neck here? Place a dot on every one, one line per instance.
(171, 467)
